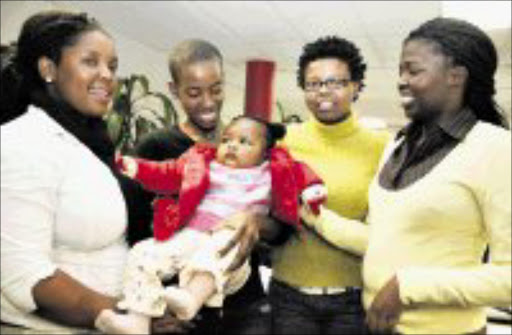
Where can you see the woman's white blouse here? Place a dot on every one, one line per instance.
(61, 208)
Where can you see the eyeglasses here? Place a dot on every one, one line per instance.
(330, 83)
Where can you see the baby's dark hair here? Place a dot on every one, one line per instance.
(333, 47)
(273, 131)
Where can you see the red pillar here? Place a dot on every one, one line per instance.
(259, 79)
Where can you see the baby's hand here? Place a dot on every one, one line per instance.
(314, 196)
(126, 165)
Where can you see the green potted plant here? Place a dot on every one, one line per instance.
(136, 111)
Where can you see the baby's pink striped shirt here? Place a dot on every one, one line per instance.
(232, 191)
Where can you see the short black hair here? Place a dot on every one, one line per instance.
(189, 52)
(273, 131)
(333, 47)
(470, 47)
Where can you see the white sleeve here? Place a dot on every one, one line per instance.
(28, 199)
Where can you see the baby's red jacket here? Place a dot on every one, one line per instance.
(188, 178)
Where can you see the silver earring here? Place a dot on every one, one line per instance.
(48, 80)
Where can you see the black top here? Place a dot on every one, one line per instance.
(164, 144)
(422, 148)
(171, 143)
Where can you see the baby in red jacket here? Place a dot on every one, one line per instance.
(246, 173)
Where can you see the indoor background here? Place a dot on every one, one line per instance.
(145, 31)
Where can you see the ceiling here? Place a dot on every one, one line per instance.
(269, 29)
(277, 30)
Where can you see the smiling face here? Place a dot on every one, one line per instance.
(85, 76)
(329, 105)
(425, 83)
(200, 90)
(242, 144)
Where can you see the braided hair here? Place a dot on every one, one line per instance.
(470, 47)
(10, 105)
(333, 47)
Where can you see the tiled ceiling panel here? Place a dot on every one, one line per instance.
(277, 30)
(395, 17)
(249, 20)
(310, 20)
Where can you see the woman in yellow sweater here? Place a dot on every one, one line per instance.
(315, 287)
(442, 193)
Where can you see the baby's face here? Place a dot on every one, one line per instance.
(242, 144)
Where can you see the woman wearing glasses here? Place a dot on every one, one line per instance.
(315, 287)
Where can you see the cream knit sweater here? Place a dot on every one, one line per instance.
(432, 235)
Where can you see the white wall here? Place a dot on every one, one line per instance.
(14, 12)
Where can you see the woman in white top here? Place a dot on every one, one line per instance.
(63, 212)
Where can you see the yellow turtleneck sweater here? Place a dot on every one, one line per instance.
(345, 156)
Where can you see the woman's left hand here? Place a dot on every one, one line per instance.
(384, 313)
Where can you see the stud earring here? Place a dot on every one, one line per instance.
(48, 80)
